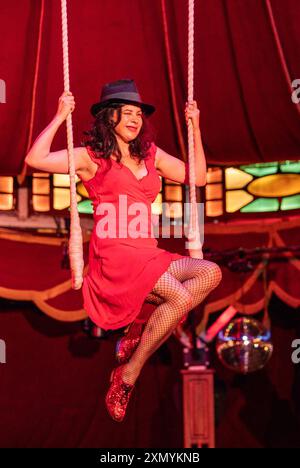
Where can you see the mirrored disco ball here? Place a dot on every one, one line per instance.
(244, 345)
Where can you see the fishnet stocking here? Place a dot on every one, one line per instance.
(196, 275)
(199, 277)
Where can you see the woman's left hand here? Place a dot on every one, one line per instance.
(192, 112)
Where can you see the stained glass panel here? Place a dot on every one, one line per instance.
(262, 169)
(61, 198)
(82, 190)
(262, 205)
(41, 174)
(214, 174)
(290, 166)
(268, 187)
(173, 192)
(235, 178)
(40, 186)
(157, 205)
(213, 191)
(6, 201)
(63, 180)
(290, 203)
(173, 210)
(278, 185)
(41, 203)
(214, 208)
(236, 199)
(85, 207)
(6, 184)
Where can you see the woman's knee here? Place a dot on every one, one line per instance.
(154, 299)
(216, 273)
(211, 271)
(171, 290)
(182, 298)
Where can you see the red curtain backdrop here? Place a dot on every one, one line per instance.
(246, 54)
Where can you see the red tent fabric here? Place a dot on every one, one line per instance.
(246, 56)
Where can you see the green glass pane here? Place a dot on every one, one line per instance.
(260, 205)
(290, 203)
(259, 170)
(290, 166)
(85, 207)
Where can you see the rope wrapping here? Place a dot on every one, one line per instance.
(75, 241)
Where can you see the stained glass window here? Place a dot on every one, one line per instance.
(214, 192)
(172, 197)
(52, 192)
(41, 192)
(7, 193)
(254, 188)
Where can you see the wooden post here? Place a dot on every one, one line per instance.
(198, 408)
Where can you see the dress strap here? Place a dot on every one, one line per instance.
(152, 150)
(93, 156)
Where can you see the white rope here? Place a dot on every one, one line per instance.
(75, 241)
(195, 247)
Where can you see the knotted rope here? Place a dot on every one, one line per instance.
(75, 241)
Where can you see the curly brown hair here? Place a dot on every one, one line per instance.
(103, 142)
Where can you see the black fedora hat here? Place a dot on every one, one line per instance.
(121, 91)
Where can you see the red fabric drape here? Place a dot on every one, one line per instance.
(240, 82)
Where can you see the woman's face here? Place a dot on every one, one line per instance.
(130, 124)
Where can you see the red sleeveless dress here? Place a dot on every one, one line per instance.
(123, 268)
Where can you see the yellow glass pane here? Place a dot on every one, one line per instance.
(82, 190)
(48, 231)
(41, 203)
(235, 178)
(40, 186)
(277, 185)
(173, 192)
(214, 208)
(6, 184)
(213, 191)
(236, 199)
(63, 180)
(214, 174)
(40, 174)
(6, 201)
(61, 198)
(173, 210)
(156, 206)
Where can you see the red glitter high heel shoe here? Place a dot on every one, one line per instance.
(126, 346)
(118, 395)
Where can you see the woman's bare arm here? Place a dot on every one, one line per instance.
(39, 155)
(175, 169)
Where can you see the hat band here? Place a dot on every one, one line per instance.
(125, 95)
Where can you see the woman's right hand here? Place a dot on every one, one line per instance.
(66, 104)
